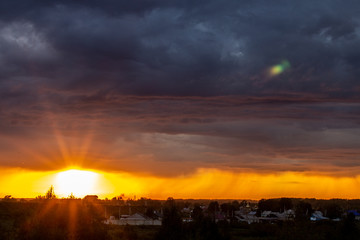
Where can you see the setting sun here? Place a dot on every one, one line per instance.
(78, 182)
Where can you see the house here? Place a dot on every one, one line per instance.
(186, 215)
(317, 216)
(356, 214)
(269, 216)
(286, 215)
(135, 219)
(249, 217)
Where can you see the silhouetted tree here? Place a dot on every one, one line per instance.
(235, 205)
(303, 211)
(349, 228)
(208, 230)
(285, 204)
(71, 196)
(150, 212)
(213, 208)
(39, 197)
(50, 194)
(197, 213)
(171, 223)
(333, 211)
(268, 205)
(226, 208)
(243, 203)
(8, 198)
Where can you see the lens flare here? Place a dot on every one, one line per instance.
(279, 68)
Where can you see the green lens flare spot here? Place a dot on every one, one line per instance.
(279, 68)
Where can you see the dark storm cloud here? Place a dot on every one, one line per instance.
(185, 48)
(149, 79)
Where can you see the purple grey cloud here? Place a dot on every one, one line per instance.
(145, 86)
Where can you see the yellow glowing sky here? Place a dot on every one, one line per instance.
(204, 183)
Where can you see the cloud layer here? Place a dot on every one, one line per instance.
(167, 88)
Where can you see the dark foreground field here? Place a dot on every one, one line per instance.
(260, 231)
(73, 219)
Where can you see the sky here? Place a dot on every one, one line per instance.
(202, 99)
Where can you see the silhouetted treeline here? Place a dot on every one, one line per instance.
(333, 208)
(78, 219)
(202, 227)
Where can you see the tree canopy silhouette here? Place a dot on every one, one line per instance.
(50, 194)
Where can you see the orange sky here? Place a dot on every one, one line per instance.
(204, 183)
